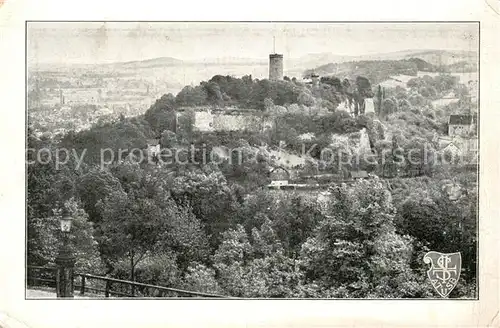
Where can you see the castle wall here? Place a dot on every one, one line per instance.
(206, 121)
(224, 122)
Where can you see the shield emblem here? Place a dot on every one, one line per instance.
(444, 271)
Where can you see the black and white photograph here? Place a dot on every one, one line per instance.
(252, 160)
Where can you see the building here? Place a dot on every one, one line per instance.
(452, 149)
(468, 148)
(453, 190)
(461, 125)
(278, 183)
(369, 106)
(153, 147)
(205, 120)
(358, 175)
(275, 67)
(279, 174)
(279, 178)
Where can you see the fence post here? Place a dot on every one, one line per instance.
(30, 277)
(108, 287)
(82, 285)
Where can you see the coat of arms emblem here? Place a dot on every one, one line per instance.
(444, 271)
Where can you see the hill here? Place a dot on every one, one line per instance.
(375, 70)
(379, 67)
(148, 63)
(177, 72)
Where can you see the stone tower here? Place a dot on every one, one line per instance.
(275, 67)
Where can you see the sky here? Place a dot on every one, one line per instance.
(94, 43)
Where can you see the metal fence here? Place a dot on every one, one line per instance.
(109, 287)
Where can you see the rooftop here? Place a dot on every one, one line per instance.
(359, 174)
(153, 142)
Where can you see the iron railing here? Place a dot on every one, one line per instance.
(38, 276)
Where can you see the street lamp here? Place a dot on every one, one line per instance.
(65, 260)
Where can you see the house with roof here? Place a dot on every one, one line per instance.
(458, 147)
(461, 125)
(453, 148)
(279, 177)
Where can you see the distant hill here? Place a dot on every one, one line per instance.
(462, 66)
(148, 63)
(435, 57)
(375, 70)
(446, 57)
(379, 67)
(297, 66)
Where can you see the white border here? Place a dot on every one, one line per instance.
(14, 310)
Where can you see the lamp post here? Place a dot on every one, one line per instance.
(65, 260)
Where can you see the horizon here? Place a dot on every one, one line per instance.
(263, 60)
(73, 43)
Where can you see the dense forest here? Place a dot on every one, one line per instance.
(217, 228)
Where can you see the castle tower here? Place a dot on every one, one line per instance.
(275, 67)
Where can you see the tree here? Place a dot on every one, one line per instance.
(185, 237)
(268, 103)
(210, 198)
(201, 278)
(190, 96)
(254, 265)
(185, 126)
(332, 81)
(355, 251)
(417, 100)
(161, 115)
(364, 87)
(45, 239)
(420, 156)
(213, 91)
(379, 98)
(306, 99)
(388, 107)
(95, 186)
(168, 139)
(329, 94)
(404, 105)
(430, 216)
(131, 226)
(414, 83)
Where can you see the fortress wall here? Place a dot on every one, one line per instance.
(206, 121)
